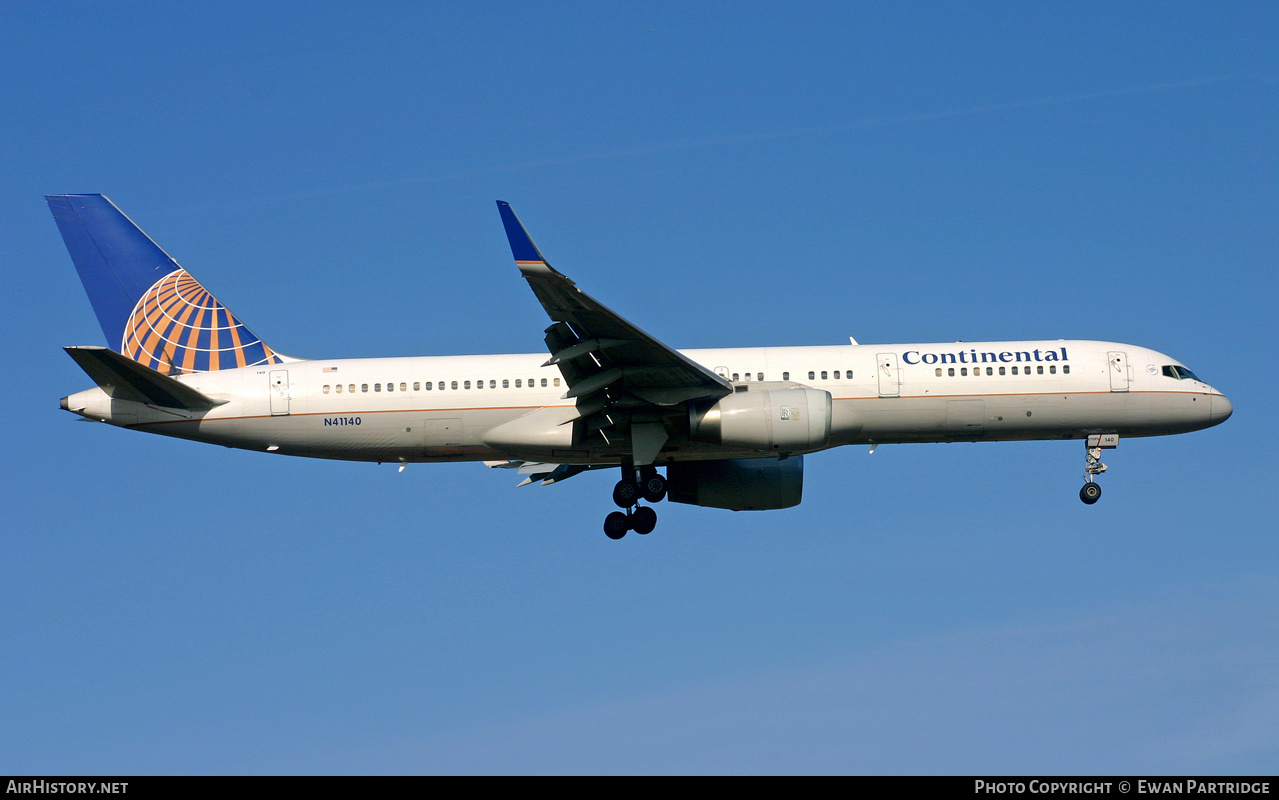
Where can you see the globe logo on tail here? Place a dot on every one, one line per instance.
(177, 327)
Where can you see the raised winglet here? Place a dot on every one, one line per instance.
(527, 257)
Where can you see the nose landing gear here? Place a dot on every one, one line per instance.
(635, 483)
(1091, 491)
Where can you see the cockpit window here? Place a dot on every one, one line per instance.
(1180, 373)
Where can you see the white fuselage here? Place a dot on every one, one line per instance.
(381, 409)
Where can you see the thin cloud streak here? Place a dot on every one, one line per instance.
(867, 123)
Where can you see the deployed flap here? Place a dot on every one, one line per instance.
(595, 348)
(125, 379)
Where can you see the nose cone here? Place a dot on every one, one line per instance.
(1221, 409)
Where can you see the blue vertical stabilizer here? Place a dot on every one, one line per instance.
(149, 307)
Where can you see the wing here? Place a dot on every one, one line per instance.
(614, 370)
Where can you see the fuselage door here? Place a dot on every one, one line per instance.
(1118, 370)
(889, 378)
(279, 392)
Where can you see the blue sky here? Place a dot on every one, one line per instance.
(722, 174)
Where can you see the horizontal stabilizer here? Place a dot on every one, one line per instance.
(125, 379)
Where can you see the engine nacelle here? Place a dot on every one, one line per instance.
(738, 484)
(773, 420)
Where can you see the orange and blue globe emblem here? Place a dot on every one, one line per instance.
(178, 327)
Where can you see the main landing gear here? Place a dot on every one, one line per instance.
(645, 483)
(1091, 491)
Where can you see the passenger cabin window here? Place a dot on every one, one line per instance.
(1065, 369)
(326, 388)
(351, 388)
(1052, 370)
(1001, 370)
(736, 377)
(785, 376)
(811, 376)
(823, 374)
(339, 388)
(364, 387)
(390, 387)
(466, 385)
(404, 387)
(963, 371)
(453, 385)
(1040, 369)
(557, 381)
(506, 384)
(939, 372)
(543, 383)
(517, 383)
(950, 371)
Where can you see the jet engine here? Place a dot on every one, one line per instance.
(775, 421)
(739, 484)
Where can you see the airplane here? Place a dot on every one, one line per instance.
(731, 427)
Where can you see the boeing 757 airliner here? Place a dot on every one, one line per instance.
(730, 426)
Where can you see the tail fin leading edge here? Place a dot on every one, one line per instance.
(149, 307)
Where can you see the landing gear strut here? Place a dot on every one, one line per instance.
(643, 482)
(1091, 491)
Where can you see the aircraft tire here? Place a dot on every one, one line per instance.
(615, 525)
(644, 520)
(654, 488)
(1090, 493)
(625, 493)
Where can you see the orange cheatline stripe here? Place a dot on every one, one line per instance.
(353, 413)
